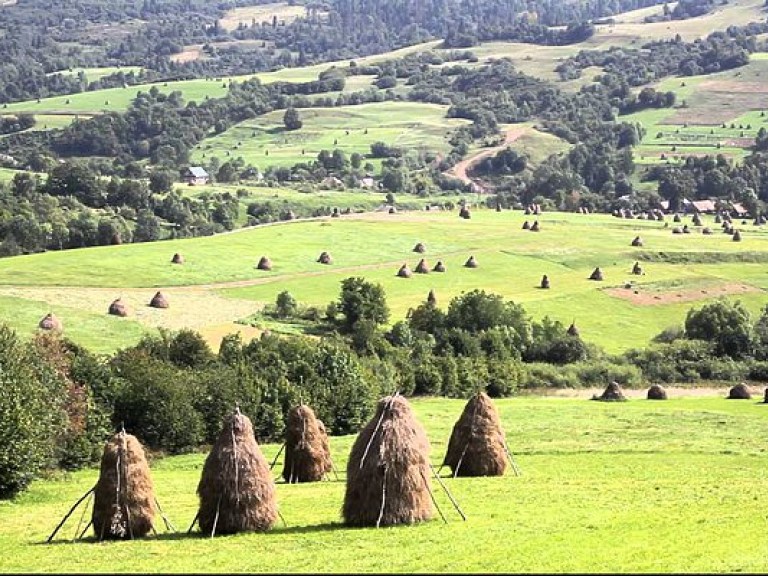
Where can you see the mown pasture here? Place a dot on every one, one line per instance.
(639, 486)
(681, 270)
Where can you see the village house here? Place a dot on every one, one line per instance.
(196, 176)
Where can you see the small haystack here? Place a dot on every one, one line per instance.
(535, 226)
(637, 270)
(124, 503)
(471, 262)
(676, 218)
(637, 241)
(739, 392)
(718, 219)
(118, 308)
(572, 330)
(388, 473)
(597, 274)
(656, 392)
(544, 282)
(236, 489)
(307, 455)
(264, 264)
(660, 217)
(404, 271)
(706, 230)
(464, 213)
(439, 267)
(477, 446)
(420, 248)
(50, 322)
(392, 210)
(526, 225)
(431, 298)
(421, 267)
(612, 393)
(677, 230)
(325, 258)
(696, 220)
(686, 230)
(737, 236)
(158, 300)
(177, 259)
(335, 213)
(498, 207)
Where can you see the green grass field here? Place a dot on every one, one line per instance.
(511, 263)
(264, 141)
(640, 486)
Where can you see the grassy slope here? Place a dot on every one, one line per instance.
(633, 487)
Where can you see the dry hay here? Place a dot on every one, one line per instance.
(544, 282)
(307, 453)
(612, 393)
(526, 225)
(656, 392)
(676, 218)
(696, 219)
(477, 445)
(677, 230)
(118, 308)
(264, 264)
(421, 267)
(404, 271)
(124, 498)
(706, 230)
(535, 226)
(736, 236)
(236, 489)
(637, 270)
(159, 301)
(177, 259)
(637, 241)
(739, 392)
(50, 322)
(420, 248)
(572, 330)
(686, 230)
(439, 267)
(597, 274)
(471, 262)
(431, 298)
(388, 470)
(464, 213)
(325, 258)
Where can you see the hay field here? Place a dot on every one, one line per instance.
(637, 486)
(375, 245)
(284, 12)
(263, 141)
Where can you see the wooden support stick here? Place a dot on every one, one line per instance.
(216, 518)
(197, 516)
(168, 525)
(434, 500)
(450, 496)
(83, 497)
(277, 456)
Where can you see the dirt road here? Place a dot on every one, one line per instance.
(460, 170)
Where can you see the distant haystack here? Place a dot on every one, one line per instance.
(686, 230)
(535, 226)
(404, 271)
(392, 210)
(420, 248)
(124, 502)
(637, 270)
(676, 218)
(264, 264)
(388, 473)
(677, 230)
(307, 457)
(439, 267)
(422, 267)
(158, 300)
(737, 236)
(431, 298)
(706, 230)
(50, 322)
(177, 259)
(612, 393)
(572, 330)
(718, 220)
(637, 241)
(526, 225)
(696, 220)
(335, 213)
(471, 262)
(656, 392)
(325, 258)
(118, 308)
(740, 392)
(236, 489)
(597, 274)
(544, 282)
(464, 213)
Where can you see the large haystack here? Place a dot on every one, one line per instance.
(325, 258)
(471, 262)
(637, 241)
(264, 264)
(177, 259)
(118, 308)
(420, 248)
(612, 393)
(124, 502)
(439, 267)
(307, 455)
(739, 392)
(422, 267)
(477, 445)
(544, 282)
(656, 392)
(159, 300)
(388, 473)
(404, 271)
(236, 489)
(50, 322)
(597, 274)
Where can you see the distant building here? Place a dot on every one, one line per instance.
(196, 175)
(738, 210)
(704, 206)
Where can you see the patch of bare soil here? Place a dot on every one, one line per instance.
(190, 54)
(636, 294)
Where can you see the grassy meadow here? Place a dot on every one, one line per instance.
(623, 311)
(640, 486)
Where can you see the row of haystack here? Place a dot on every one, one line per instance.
(51, 322)
(614, 393)
(423, 268)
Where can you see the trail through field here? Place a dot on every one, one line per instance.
(461, 169)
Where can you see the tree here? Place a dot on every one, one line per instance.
(161, 181)
(292, 120)
(285, 305)
(362, 300)
(727, 325)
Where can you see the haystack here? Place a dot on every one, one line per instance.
(717, 218)
(464, 213)
(388, 473)
(656, 392)
(264, 264)
(477, 445)
(544, 282)
(439, 267)
(124, 503)
(737, 236)
(471, 262)
(676, 218)
(290, 215)
(739, 392)
(404, 271)
(431, 298)
(335, 213)
(535, 226)
(118, 308)
(612, 393)
(420, 248)
(50, 322)
(498, 207)
(677, 230)
(765, 397)
(597, 274)
(706, 230)
(421, 267)
(236, 489)
(177, 259)
(325, 258)
(686, 230)
(660, 217)
(158, 300)
(572, 330)
(696, 220)
(307, 456)
(526, 225)
(392, 210)
(637, 270)
(637, 241)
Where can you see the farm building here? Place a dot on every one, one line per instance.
(196, 176)
(703, 206)
(739, 210)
